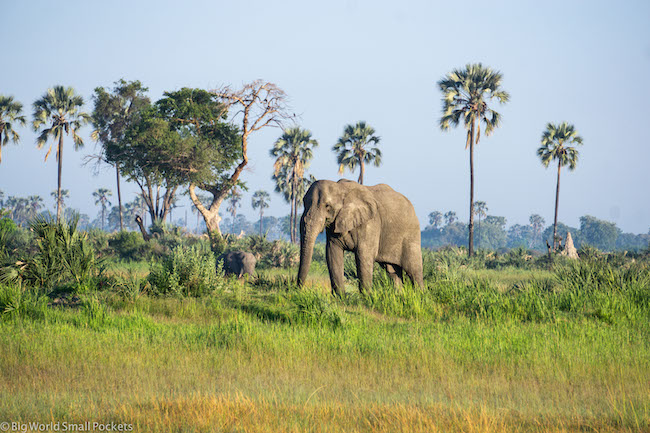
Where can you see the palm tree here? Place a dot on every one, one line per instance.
(480, 210)
(450, 217)
(261, 200)
(35, 204)
(536, 223)
(9, 113)
(293, 152)
(558, 142)
(355, 148)
(466, 93)
(234, 199)
(101, 198)
(59, 198)
(435, 218)
(60, 109)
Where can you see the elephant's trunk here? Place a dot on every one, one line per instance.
(310, 227)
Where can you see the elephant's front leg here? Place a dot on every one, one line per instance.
(334, 256)
(365, 263)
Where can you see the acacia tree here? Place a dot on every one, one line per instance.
(114, 112)
(293, 152)
(260, 201)
(58, 112)
(559, 142)
(148, 155)
(258, 104)
(10, 113)
(356, 147)
(101, 198)
(466, 93)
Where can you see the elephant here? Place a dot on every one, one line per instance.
(377, 223)
(238, 263)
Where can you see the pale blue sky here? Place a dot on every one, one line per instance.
(587, 62)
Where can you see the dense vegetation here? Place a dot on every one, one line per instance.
(148, 333)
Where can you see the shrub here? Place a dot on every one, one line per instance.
(18, 302)
(64, 256)
(186, 272)
(128, 245)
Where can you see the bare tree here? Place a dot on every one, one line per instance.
(258, 104)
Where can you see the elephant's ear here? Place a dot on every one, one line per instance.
(358, 208)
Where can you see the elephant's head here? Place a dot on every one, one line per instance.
(342, 206)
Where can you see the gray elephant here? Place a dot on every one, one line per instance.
(238, 263)
(377, 223)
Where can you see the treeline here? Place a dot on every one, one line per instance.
(491, 233)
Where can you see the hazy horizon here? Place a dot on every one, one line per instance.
(342, 62)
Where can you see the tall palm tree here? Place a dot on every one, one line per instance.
(58, 112)
(558, 142)
(466, 93)
(10, 113)
(435, 218)
(480, 210)
(450, 217)
(101, 198)
(234, 201)
(260, 201)
(59, 198)
(356, 147)
(293, 152)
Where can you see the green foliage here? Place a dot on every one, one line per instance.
(128, 245)
(64, 257)
(15, 301)
(186, 272)
(314, 308)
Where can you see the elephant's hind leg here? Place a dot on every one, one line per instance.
(394, 272)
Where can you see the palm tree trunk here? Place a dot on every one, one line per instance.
(103, 213)
(471, 192)
(557, 205)
(58, 191)
(119, 196)
(261, 216)
(361, 171)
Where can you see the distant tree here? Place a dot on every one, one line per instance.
(450, 217)
(293, 152)
(57, 113)
(480, 210)
(115, 111)
(466, 93)
(519, 236)
(59, 198)
(10, 114)
(234, 201)
(35, 204)
(101, 199)
(356, 147)
(2, 198)
(260, 201)
(559, 143)
(537, 224)
(598, 233)
(435, 219)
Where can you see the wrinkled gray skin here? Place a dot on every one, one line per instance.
(238, 263)
(377, 223)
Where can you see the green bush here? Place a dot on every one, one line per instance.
(15, 301)
(186, 272)
(128, 245)
(64, 257)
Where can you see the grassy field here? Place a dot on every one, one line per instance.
(477, 351)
